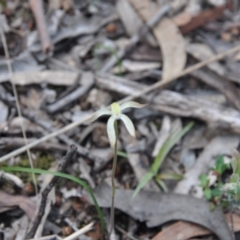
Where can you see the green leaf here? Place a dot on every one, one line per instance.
(216, 192)
(63, 175)
(169, 176)
(167, 146)
(203, 180)
(234, 178)
(220, 165)
(207, 193)
(212, 207)
(236, 163)
(165, 149)
(122, 154)
(162, 185)
(113, 52)
(142, 183)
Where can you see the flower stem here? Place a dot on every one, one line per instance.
(113, 174)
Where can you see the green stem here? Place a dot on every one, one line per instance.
(113, 183)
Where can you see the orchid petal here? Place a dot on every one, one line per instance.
(128, 123)
(131, 104)
(111, 131)
(98, 114)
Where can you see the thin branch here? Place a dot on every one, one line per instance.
(73, 96)
(10, 70)
(37, 8)
(81, 231)
(131, 97)
(48, 188)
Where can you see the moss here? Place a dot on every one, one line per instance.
(43, 161)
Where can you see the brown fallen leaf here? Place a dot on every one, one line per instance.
(172, 47)
(202, 18)
(182, 18)
(9, 201)
(169, 39)
(181, 231)
(158, 208)
(185, 230)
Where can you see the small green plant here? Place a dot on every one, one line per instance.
(231, 189)
(112, 131)
(110, 50)
(221, 190)
(212, 183)
(164, 150)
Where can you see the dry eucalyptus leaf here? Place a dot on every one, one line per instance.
(168, 37)
(186, 230)
(172, 47)
(9, 201)
(131, 21)
(159, 208)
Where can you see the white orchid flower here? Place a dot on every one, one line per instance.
(116, 114)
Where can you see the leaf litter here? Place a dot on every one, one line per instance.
(70, 59)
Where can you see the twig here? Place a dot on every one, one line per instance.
(80, 232)
(10, 70)
(10, 177)
(50, 237)
(125, 233)
(48, 188)
(129, 98)
(16, 142)
(135, 39)
(37, 8)
(12, 114)
(73, 96)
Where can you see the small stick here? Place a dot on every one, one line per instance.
(80, 231)
(37, 8)
(15, 93)
(48, 188)
(126, 233)
(73, 96)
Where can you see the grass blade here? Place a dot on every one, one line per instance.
(63, 175)
(167, 146)
(142, 183)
